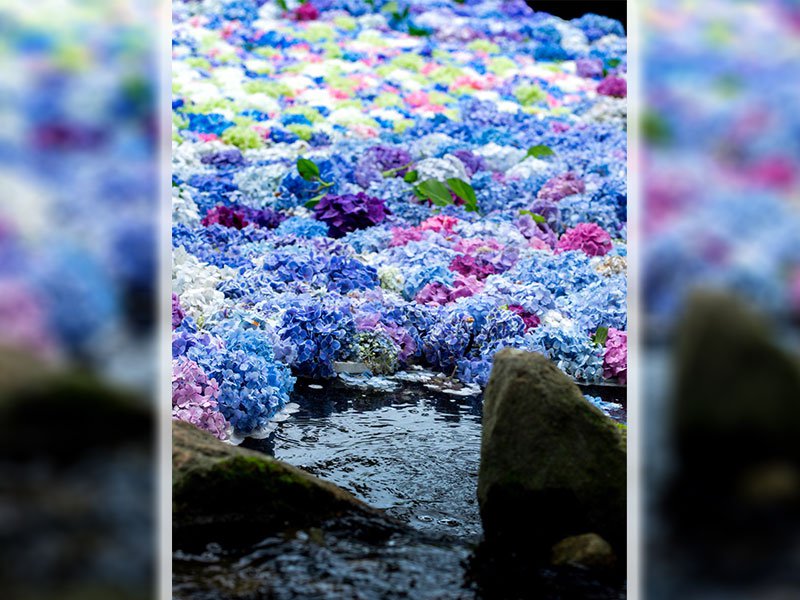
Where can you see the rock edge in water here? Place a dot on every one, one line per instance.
(222, 492)
(552, 465)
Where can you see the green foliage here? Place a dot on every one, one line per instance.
(535, 216)
(307, 169)
(439, 193)
(540, 151)
(600, 336)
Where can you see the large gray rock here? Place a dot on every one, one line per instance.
(552, 465)
(222, 490)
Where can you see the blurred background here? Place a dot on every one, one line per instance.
(78, 283)
(720, 296)
(719, 252)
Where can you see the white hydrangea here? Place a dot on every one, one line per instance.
(441, 169)
(500, 158)
(196, 282)
(530, 167)
(391, 278)
(184, 209)
(608, 110)
(258, 185)
(430, 145)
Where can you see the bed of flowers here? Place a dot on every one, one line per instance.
(391, 185)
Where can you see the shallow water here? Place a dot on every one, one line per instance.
(411, 448)
(413, 452)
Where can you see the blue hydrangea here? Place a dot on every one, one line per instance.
(572, 350)
(448, 339)
(319, 334)
(347, 274)
(253, 385)
(302, 227)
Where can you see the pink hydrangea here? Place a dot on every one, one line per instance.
(472, 245)
(24, 321)
(615, 360)
(439, 223)
(464, 287)
(613, 86)
(306, 12)
(194, 398)
(468, 266)
(538, 244)
(561, 186)
(401, 237)
(588, 237)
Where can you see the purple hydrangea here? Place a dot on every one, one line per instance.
(590, 68)
(613, 86)
(378, 160)
(177, 311)
(349, 212)
(472, 162)
(561, 186)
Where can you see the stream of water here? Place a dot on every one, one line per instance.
(410, 447)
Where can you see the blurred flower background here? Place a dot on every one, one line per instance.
(720, 264)
(78, 277)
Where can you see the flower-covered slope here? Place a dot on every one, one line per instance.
(392, 185)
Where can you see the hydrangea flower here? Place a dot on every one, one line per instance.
(194, 398)
(561, 186)
(613, 86)
(318, 334)
(615, 359)
(378, 351)
(587, 237)
(177, 311)
(347, 213)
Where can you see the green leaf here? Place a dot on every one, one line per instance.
(308, 169)
(418, 31)
(535, 216)
(282, 5)
(471, 207)
(315, 200)
(600, 336)
(613, 63)
(390, 7)
(464, 191)
(436, 192)
(411, 177)
(540, 151)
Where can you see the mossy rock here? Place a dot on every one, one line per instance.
(225, 492)
(552, 465)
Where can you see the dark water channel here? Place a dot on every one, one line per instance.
(411, 448)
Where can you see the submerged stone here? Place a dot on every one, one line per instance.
(552, 465)
(589, 551)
